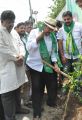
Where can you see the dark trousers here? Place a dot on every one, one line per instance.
(18, 99)
(39, 80)
(29, 82)
(1, 110)
(11, 102)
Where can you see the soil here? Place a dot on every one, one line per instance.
(72, 109)
(57, 112)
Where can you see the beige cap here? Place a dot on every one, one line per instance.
(51, 23)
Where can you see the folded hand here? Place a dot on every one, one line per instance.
(19, 61)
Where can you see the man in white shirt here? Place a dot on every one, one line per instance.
(69, 41)
(41, 45)
(28, 28)
(12, 71)
(23, 30)
(21, 49)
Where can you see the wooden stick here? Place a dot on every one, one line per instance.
(66, 105)
(64, 74)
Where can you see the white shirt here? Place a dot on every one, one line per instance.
(34, 59)
(11, 75)
(77, 35)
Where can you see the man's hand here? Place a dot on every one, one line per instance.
(19, 60)
(56, 68)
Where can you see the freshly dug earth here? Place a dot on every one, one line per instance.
(74, 110)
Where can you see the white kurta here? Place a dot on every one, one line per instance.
(11, 75)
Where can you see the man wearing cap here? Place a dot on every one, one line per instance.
(41, 44)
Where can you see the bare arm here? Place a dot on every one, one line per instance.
(60, 47)
(61, 51)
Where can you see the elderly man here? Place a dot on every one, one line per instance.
(12, 72)
(41, 44)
